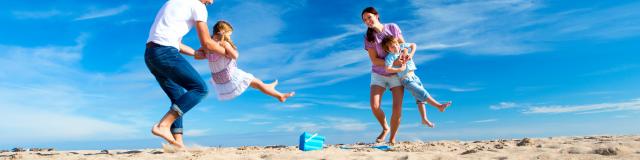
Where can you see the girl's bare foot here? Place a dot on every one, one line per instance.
(444, 106)
(272, 85)
(382, 136)
(284, 97)
(428, 123)
(164, 133)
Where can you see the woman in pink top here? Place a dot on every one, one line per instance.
(380, 79)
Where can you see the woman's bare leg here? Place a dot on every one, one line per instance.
(375, 99)
(398, 94)
(270, 89)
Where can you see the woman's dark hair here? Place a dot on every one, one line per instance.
(370, 31)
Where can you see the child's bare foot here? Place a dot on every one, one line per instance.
(444, 106)
(382, 136)
(284, 97)
(428, 123)
(164, 133)
(272, 85)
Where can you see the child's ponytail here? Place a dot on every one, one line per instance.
(221, 27)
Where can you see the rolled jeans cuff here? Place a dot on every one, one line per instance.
(176, 130)
(177, 109)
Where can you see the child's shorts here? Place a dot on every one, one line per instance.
(385, 81)
(413, 84)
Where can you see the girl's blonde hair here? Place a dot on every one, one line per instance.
(224, 26)
(387, 42)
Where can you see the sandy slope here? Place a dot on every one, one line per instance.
(590, 147)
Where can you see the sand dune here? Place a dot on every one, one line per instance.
(589, 147)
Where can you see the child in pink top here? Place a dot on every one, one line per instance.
(228, 80)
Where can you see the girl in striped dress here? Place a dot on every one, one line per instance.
(228, 80)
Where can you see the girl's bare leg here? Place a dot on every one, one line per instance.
(270, 89)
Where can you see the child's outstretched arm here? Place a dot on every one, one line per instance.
(186, 50)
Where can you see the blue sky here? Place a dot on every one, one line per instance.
(72, 74)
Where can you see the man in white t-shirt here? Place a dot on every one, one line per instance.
(177, 78)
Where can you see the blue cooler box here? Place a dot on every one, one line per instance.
(310, 142)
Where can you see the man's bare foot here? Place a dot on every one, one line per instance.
(169, 148)
(164, 133)
(444, 106)
(382, 136)
(428, 123)
(284, 97)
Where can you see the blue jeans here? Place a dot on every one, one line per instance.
(177, 78)
(413, 84)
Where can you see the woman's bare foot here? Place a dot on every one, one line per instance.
(382, 136)
(165, 133)
(284, 97)
(428, 123)
(392, 142)
(444, 106)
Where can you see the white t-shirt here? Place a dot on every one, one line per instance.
(174, 20)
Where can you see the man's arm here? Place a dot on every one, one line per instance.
(205, 40)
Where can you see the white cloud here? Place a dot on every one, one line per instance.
(631, 105)
(513, 27)
(93, 14)
(38, 14)
(451, 87)
(298, 127)
(196, 132)
(346, 124)
(503, 105)
(45, 90)
(250, 117)
(485, 121)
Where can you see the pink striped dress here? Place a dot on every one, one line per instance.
(228, 80)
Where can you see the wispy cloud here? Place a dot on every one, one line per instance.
(38, 14)
(513, 27)
(586, 108)
(196, 132)
(611, 70)
(250, 117)
(503, 105)
(298, 127)
(451, 87)
(43, 89)
(346, 124)
(93, 14)
(485, 121)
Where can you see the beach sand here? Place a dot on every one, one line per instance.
(587, 147)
